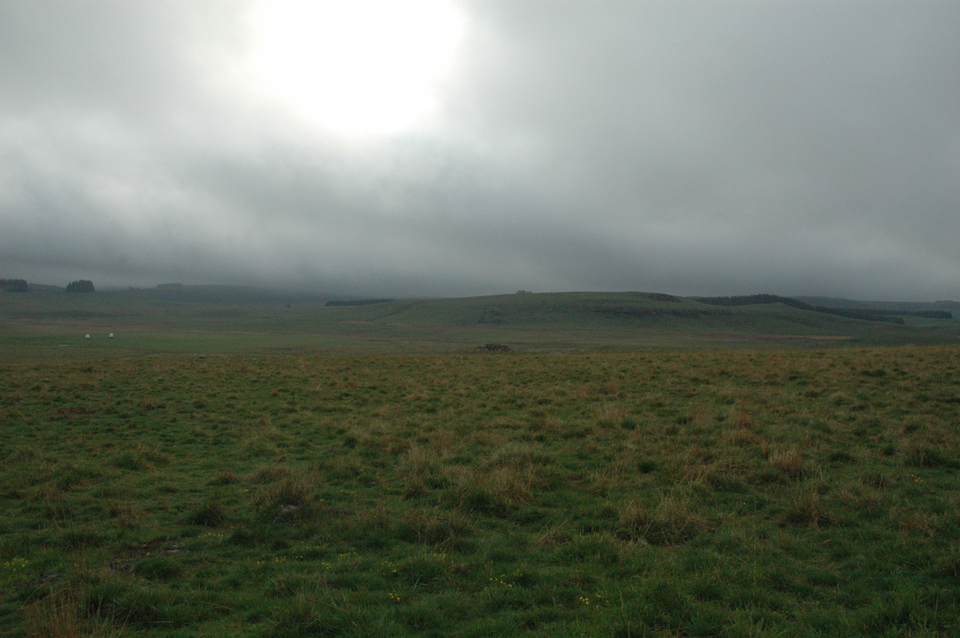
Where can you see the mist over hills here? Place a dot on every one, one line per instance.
(50, 325)
(226, 293)
(693, 148)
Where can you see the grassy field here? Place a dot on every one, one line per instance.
(51, 326)
(210, 488)
(733, 493)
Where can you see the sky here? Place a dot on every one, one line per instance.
(454, 148)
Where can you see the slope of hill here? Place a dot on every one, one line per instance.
(890, 313)
(223, 319)
(894, 306)
(775, 315)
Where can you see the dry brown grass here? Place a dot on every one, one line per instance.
(54, 618)
(877, 480)
(741, 437)
(547, 424)
(419, 471)
(742, 420)
(922, 522)
(672, 520)
(495, 490)
(288, 497)
(438, 527)
(790, 462)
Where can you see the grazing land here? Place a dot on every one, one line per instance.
(567, 488)
(51, 326)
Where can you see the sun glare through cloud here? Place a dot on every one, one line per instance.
(363, 67)
(422, 148)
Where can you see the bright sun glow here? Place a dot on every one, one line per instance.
(358, 66)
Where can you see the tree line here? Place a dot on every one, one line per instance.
(14, 285)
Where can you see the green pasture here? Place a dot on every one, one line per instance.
(239, 465)
(684, 493)
(49, 326)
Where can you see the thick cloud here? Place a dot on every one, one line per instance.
(793, 147)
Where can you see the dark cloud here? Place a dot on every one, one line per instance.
(793, 147)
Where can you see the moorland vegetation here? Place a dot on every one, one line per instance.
(398, 483)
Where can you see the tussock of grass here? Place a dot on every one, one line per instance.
(671, 520)
(210, 514)
(288, 497)
(790, 463)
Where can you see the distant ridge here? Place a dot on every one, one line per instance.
(220, 319)
(866, 314)
(906, 307)
(356, 302)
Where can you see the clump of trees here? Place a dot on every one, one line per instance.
(14, 285)
(81, 285)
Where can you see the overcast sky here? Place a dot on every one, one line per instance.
(443, 148)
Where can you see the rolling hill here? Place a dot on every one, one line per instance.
(224, 319)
